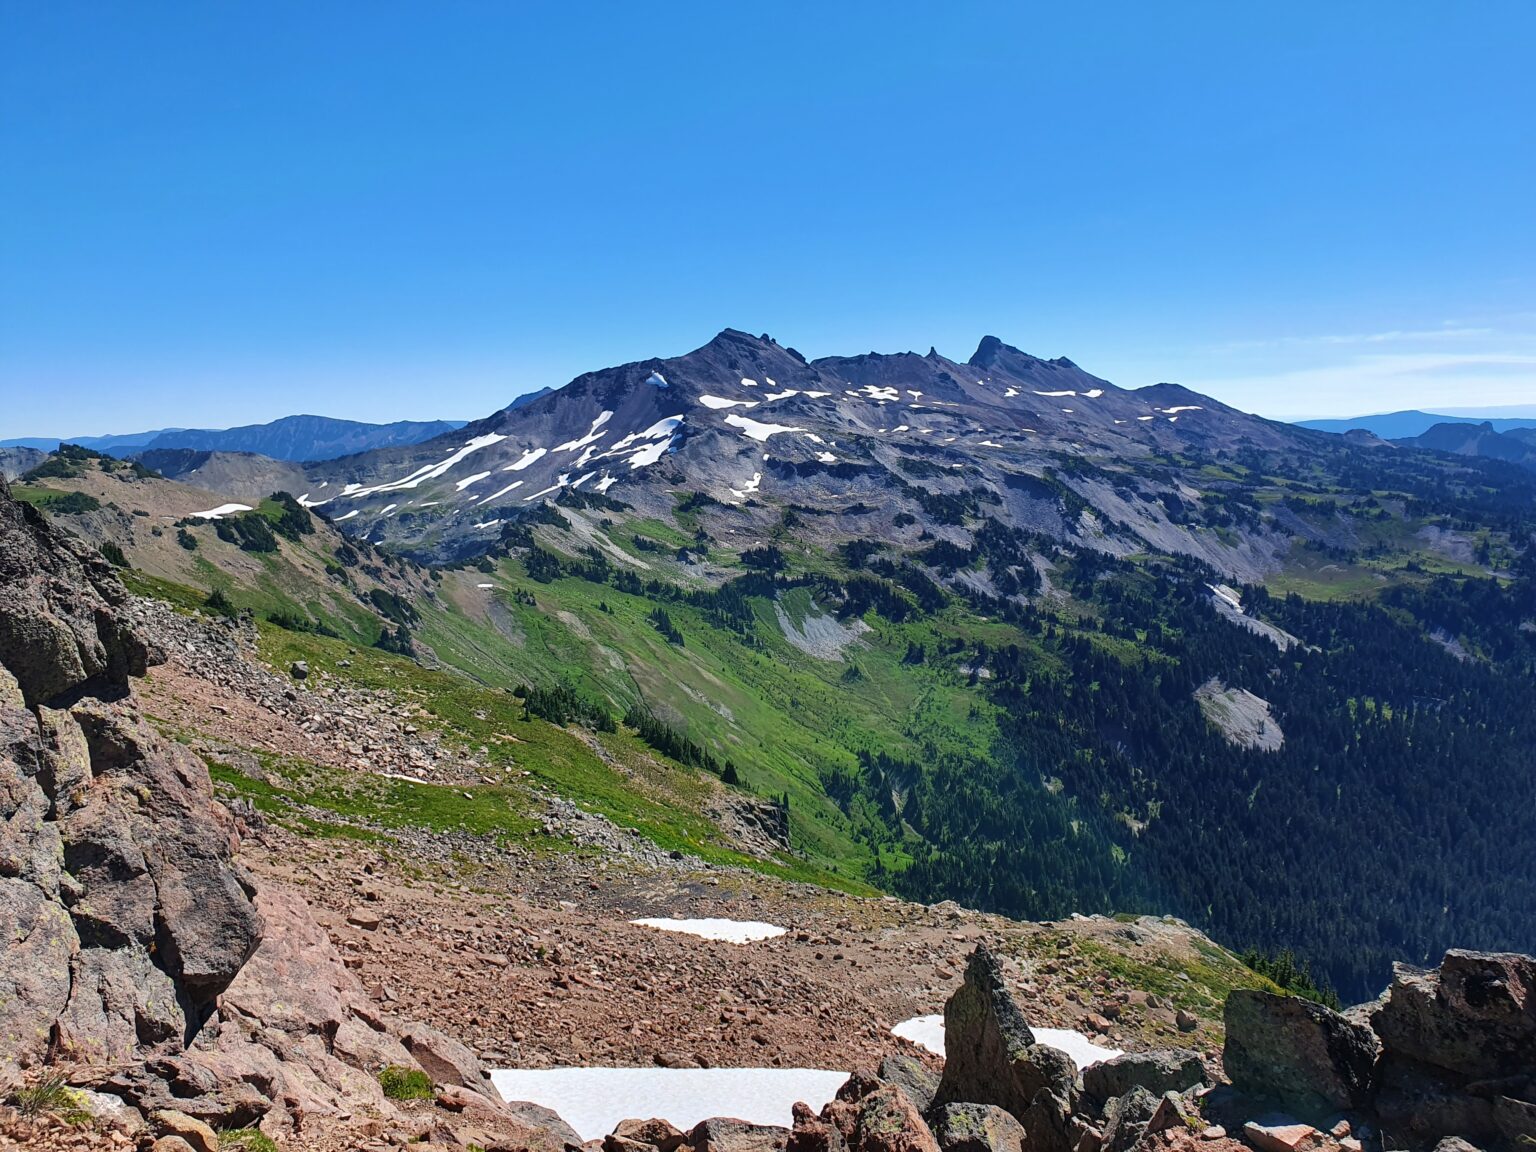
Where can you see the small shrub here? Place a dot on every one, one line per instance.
(405, 1083)
(74, 503)
(53, 1097)
(219, 603)
(248, 1140)
(114, 554)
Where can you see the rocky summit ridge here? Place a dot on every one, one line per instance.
(754, 425)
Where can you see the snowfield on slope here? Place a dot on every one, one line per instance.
(928, 1032)
(712, 928)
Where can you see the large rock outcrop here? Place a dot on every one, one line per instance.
(1446, 1055)
(137, 953)
(1297, 1053)
(990, 1052)
(117, 877)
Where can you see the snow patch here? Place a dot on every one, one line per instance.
(1063, 392)
(525, 459)
(714, 928)
(1094, 393)
(594, 1100)
(592, 435)
(427, 472)
(657, 380)
(749, 487)
(503, 492)
(746, 382)
(928, 1032)
(1182, 408)
(1010, 393)
(756, 429)
(221, 511)
(718, 402)
(460, 485)
(485, 585)
(346, 516)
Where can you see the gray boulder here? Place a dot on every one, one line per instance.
(1126, 1118)
(721, 1134)
(1158, 1071)
(913, 1077)
(976, 1128)
(1297, 1053)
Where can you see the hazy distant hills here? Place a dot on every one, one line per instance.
(291, 438)
(1412, 422)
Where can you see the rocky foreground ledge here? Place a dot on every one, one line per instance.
(154, 995)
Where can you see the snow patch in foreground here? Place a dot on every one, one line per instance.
(733, 931)
(928, 1032)
(221, 511)
(594, 1100)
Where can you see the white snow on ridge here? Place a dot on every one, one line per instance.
(1010, 393)
(426, 472)
(1182, 408)
(657, 380)
(756, 429)
(928, 1032)
(718, 402)
(749, 487)
(460, 485)
(876, 392)
(346, 516)
(655, 451)
(1063, 392)
(826, 457)
(306, 502)
(606, 482)
(714, 928)
(221, 511)
(1094, 393)
(591, 437)
(503, 492)
(525, 459)
(594, 1100)
(747, 383)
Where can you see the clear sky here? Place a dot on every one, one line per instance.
(221, 213)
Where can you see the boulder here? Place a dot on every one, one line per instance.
(991, 1054)
(657, 1133)
(169, 1122)
(1126, 1118)
(1051, 1125)
(1475, 1015)
(1161, 1070)
(723, 1134)
(914, 1078)
(890, 1122)
(977, 1128)
(1280, 1137)
(444, 1058)
(1297, 1053)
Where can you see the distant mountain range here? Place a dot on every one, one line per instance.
(291, 438)
(1412, 422)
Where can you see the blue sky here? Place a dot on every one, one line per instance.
(220, 213)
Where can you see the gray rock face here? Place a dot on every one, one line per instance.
(1475, 1015)
(125, 915)
(1126, 1118)
(1297, 1053)
(991, 1054)
(977, 1128)
(59, 628)
(1159, 1071)
(913, 1077)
